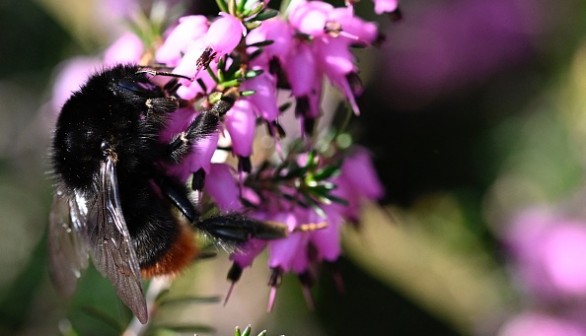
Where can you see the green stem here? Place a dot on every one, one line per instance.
(284, 6)
(222, 5)
(346, 121)
(212, 74)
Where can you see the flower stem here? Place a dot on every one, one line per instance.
(222, 5)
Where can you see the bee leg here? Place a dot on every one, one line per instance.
(232, 228)
(237, 229)
(176, 193)
(204, 125)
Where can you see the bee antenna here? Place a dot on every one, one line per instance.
(154, 72)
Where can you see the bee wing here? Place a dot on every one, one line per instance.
(68, 240)
(111, 248)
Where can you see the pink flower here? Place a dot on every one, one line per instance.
(301, 70)
(224, 35)
(305, 80)
(332, 31)
(314, 235)
(359, 172)
(199, 46)
(385, 6)
(337, 63)
(544, 246)
(283, 252)
(188, 65)
(71, 75)
(128, 48)
(189, 29)
(240, 122)
(321, 20)
(541, 324)
(350, 27)
(265, 97)
(246, 255)
(203, 152)
(223, 188)
(327, 241)
(192, 89)
(310, 17)
(276, 30)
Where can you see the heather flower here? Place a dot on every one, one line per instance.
(356, 183)
(128, 48)
(72, 74)
(192, 89)
(545, 247)
(331, 31)
(385, 6)
(189, 29)
(240, 122)
(224, 190)
(188, 66)
(224, 34)
(315, 230)
(264, 99)
(541, 324)
(321, 20)
(279, 32)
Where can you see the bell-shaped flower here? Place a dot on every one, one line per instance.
(203, 151)
(301, 70)
(128, 48)
(319, 19)
(244, 256)
(188, 65)
(189, 29)
(265, 95)
(282, 252)
(224, 35)
(224, 188)
(358, 170)
(240, 122)
(337, 62)
(71, 75)
(192, 89)
(310, 17)
(327, 241)
(351, 27)
(544, 246)
(279, 32)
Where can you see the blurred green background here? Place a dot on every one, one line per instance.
(473, 110)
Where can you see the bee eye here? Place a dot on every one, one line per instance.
(135, 86)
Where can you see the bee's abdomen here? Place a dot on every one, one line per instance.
(162, 244)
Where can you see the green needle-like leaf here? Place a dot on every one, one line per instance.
(247, 330)
(260, 44)
(327, 172)
(189, 300)
(266, 14)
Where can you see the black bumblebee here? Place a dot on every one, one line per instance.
(114, 201)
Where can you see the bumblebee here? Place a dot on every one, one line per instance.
(114, 200)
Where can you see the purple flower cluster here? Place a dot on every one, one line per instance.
(275, 60)
(548, 250)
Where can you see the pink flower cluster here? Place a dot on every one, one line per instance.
(547, 250)
(315, 232)
(264, 54)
